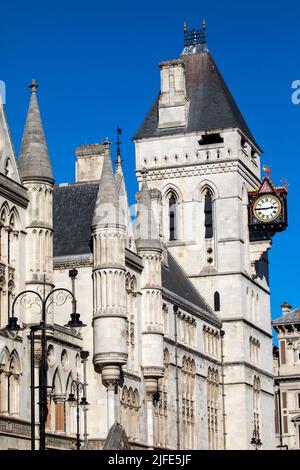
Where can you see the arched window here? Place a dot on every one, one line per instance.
(208, 214)
(172, 217)
(216, 302)
(188, 371)
(129, 413)
(13, 384)
(161, 405)
(4, 379)
(256, 407)
(212, 408)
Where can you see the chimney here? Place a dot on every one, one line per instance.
(173, 103)
(285, 308)
(89, 161)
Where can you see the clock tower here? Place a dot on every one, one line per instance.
(203, 171)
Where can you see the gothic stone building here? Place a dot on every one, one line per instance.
(176, 305)
(287, 377)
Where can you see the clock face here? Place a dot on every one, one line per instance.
(267, 208)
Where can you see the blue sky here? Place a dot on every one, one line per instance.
(97, 66)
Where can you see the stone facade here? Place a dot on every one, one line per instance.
(286, 366)
(176, 305)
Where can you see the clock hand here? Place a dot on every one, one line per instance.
(266, 208)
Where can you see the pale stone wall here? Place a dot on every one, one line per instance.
(286, 373)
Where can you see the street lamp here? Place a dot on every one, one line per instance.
(77, 388)
(13, 328)
(255, 441)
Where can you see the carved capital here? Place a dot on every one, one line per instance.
(59, 398)
(110, 376)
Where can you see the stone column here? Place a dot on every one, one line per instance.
(151, 386)
(59, 401)
(110, 378)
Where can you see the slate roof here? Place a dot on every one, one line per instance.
(74, 206)
(292, 317)
(175, 280)
(34, 160)
(211, 103)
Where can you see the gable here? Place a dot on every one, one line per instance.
(8, 164)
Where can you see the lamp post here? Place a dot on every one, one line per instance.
(84, 356)
(77, 388)
(13, 328)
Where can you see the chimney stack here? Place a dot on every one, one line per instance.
(285, 308)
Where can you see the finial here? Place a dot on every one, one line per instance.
(284, 182)
(118, 159)
(195, 39)
(119, 132)
(33, 85)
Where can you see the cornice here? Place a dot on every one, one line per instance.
(247, 322)
(13, 191)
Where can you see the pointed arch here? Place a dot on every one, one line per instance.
(172, 220)
(133, 284)
(57, 388)
(203, 186)
(15, 363)
(14, 218)
(166, 358)
(4, 213)
(217, 305)
(13, 389)
(4, 380)
(4, 359)
(208, 214)
(172, 200)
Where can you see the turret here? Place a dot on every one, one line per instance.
(109, 322)
(37, 177)
(149, 248)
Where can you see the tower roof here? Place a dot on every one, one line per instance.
(147, 235)
(107, 207)
(211, 103)
(34, 161)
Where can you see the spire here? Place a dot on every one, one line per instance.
(147, 236)
(194, 39)
(119, 159)
(34, 161)
(107, 207)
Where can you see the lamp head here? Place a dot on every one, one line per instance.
(71, 399)
(73, 273)
(75, 321)
(83, 402)
(84, 355)
(13, 328)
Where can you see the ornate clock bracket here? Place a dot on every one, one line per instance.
(267, 211)
(257, 250)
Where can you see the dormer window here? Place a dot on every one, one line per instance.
(208, 139)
